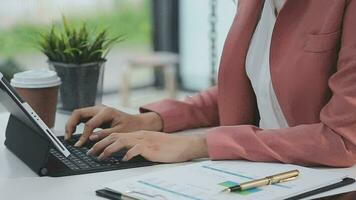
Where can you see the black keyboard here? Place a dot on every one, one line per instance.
(79, 160)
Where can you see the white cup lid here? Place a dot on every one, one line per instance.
(37, 78)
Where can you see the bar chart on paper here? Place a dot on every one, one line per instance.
(206, 180)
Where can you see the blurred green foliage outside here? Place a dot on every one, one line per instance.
(132, 21)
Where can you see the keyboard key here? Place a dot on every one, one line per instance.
(80, 160)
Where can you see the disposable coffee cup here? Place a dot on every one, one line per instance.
(39, 88)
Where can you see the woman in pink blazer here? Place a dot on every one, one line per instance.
(313, 70)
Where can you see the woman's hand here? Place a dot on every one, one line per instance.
(111, 120)
(154, 146)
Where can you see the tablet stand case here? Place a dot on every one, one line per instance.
(32, 147)
(28, 145)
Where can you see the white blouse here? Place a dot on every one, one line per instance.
(258, 68)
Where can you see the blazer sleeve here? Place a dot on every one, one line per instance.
(332, 142)
(200, 110)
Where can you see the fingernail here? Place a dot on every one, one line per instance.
(94, 137)
(125, 158)
(66, 136)
(78, 144)
(100, 157)
(89, 152)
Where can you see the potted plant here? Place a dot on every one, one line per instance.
(9, 67)
(78, 57)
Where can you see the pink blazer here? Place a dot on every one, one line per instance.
(313, 70)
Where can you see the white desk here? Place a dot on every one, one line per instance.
(17, 181)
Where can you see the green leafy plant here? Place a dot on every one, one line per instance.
(67, 44)
(9, 67)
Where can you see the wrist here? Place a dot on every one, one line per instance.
(199, 147)
(151, 121)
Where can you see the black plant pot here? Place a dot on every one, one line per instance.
(82, 84)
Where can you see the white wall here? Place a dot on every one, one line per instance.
(195, 42)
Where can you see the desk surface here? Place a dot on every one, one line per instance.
(17, 181)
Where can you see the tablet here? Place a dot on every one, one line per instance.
(13, 103)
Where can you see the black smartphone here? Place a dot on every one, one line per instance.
(343, 196)
(108, 194)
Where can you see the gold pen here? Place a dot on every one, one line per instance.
(269, 180)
